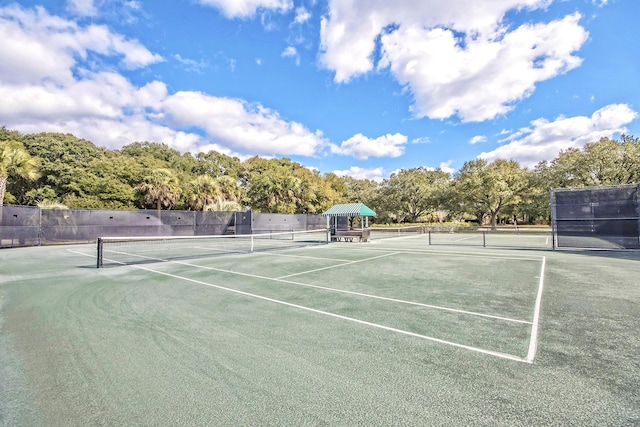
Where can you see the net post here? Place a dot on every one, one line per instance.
(252, 242)
(484, 239)
(429, 237)
(99, 254)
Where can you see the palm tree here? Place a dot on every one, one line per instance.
(229, 187)
(15, 160)
(160, 188)
(221, 204)
(203, 191)
(51, 204)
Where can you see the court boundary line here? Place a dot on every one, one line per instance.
(399, 237)
(307, 285)
(335, 266)
(454, 253)
(334, 315)
(466, 238)
(280, 254)
(533, 342)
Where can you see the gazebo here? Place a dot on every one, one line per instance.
(338, 221)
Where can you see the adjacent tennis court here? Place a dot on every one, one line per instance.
(396, 331)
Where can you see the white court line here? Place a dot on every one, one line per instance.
(454, 253)
(536, 317)
(280, 254)
(466, 238)
(337, 316)
(398, 237)
(337, 265)
(306, 285)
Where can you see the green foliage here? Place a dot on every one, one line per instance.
(160, 188)
(218, 165)
(481, 188)
(75, 172)
(15, 160)
(284, 186)
(203, 190)
(222, 205)
(358, 190)
(37, 195)
(412, 193)
(51, 204)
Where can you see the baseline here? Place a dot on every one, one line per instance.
(337, 316)
(325, 288)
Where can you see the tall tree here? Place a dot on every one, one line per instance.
(611, 162)
(412, 193)
(160, 188)
(284, 186)
(483, 188)
(203, 191)
(360, 190)
(220, 204)
(229, 187)
(64, 163)
(15, 160)
(217, 164)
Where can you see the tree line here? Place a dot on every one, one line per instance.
(61, 168)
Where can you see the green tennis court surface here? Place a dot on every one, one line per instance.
(391, 332)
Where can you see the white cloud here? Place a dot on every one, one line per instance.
(125, 10)
(291, 52)
(481, 65)
(241, 125)
(375, 174)
(478, 138)
(190, 64)
(543, 140)
(247, 8)
(421, 140)
(46, 85)
(446, 166)
(38, 47)
(302, 15)
(82, 7)
(362, 147)
(349, 31)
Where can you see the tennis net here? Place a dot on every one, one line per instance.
(390, 232)
(138, 250)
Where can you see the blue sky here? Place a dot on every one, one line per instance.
(357, 87)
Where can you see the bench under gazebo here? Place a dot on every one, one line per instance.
(338, 218)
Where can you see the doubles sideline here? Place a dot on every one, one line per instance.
(532, 345)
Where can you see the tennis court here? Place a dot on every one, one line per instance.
(396, 331)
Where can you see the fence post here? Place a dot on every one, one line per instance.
(39, 226)
(99, 254)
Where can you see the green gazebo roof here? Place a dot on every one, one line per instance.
(350, 209)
